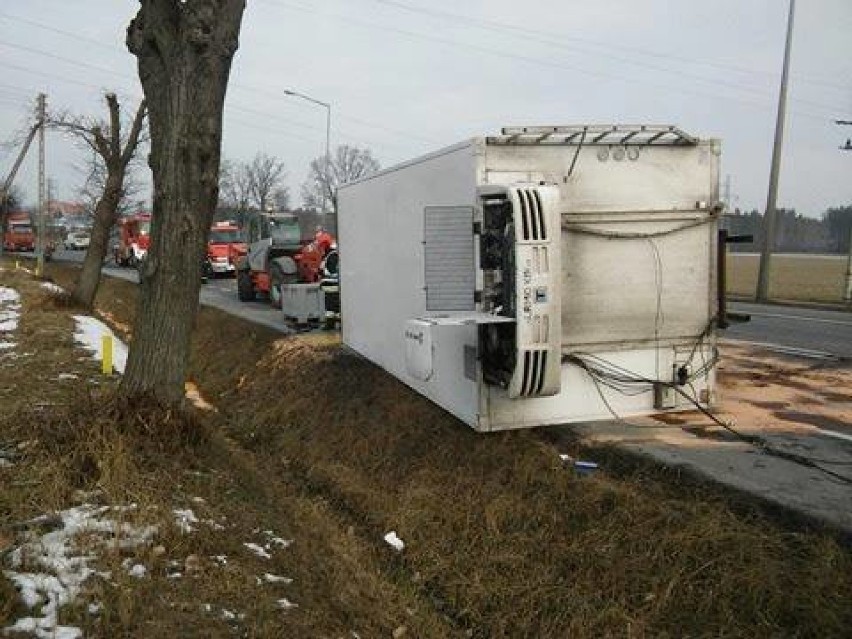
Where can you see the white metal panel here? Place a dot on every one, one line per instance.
(418, 350)
(580, 399)
(633, 290)
(448, 258)
(643, 179)
(383, 276)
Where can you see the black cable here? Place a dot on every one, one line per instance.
(618, 378)
(577, 153)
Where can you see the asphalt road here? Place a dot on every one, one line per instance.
(219, 292)
(822, 331)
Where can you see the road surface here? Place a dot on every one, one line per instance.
(823, 331)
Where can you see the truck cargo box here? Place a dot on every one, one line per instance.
(541, 276)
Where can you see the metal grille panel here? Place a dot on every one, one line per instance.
(448, 240)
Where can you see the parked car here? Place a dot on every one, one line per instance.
(77, 241)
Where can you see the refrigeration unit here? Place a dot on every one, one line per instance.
(541, 276)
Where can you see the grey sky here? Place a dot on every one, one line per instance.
(405, 81)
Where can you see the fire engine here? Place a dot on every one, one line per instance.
(19, 233)
(224, 247)
(134, 237)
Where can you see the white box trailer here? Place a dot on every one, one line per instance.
(545, 275)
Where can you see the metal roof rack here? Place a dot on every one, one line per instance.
(595, 134)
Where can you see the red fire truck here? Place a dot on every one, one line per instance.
(224, 246)
(19, 233)
(134, 237)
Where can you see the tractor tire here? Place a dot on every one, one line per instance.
(245, 287)
(276, 279)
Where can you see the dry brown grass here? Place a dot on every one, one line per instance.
(799, 278)
(501, 539)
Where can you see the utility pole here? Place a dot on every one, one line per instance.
(41, 245)
(727, 194)
(847, 296)
(769, 219)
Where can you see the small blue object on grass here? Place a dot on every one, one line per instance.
(580, 467)
(585, 467)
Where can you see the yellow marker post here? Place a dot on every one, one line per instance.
(17, 265)
(106, 349)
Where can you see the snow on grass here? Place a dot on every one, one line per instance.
(257, 550)
(64, 568)
(10, 313)
(89, 334)
(286, 604)
(394, 541)
(184, 518)
(53, 288)
(276, 579)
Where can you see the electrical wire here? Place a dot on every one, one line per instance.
(626, 382)
(621, 235)
(560, 39)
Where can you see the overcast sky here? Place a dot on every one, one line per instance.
(407, 77)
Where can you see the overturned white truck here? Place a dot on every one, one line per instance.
(541, 276)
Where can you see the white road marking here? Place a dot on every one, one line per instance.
(835, 434)
(789, 350)
(801, 318)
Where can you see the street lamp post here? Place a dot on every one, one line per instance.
(327, 139)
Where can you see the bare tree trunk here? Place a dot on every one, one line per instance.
(184, 51)
(86, 286)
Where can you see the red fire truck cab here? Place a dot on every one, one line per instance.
(224, 246)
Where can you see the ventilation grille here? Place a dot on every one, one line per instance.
(532, 215)
(535, 363)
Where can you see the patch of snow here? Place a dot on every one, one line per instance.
(276, 579)
(10, 312)
(184, 518)
(221, 559)
(64, 568)
(137, 570)
(63, 376)
(198, 500)
(53, 288)
(286, 604)
(257, 550)
(95, 608)
(394, 541)
(89, 334)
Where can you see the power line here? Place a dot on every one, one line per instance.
(235, 85)
(559, 40)
(537, 61)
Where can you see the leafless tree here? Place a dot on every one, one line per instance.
(347, 163)
(234, 186)
(281, 198)
(265, 175)
(114, 148)
(184, 50)
(94, 172)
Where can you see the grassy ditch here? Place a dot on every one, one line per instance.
(501, 539)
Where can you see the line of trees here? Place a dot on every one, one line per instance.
(796, 233)
(258, 185)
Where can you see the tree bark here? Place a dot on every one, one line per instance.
(106, 211)
(184, 51)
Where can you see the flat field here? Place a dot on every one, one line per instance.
(810, 278)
